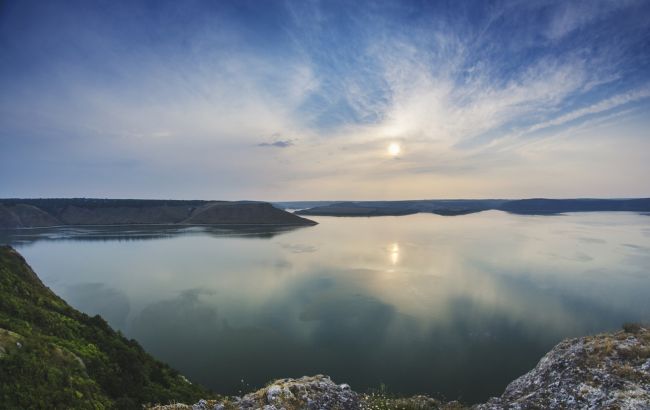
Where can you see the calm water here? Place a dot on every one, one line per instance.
(456, 306)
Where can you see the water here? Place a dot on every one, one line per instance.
(452, 306)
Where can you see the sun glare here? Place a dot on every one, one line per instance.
(394, 149)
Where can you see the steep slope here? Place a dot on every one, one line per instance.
(53, 356)
(22, 215)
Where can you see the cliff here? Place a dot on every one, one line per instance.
(30, 213)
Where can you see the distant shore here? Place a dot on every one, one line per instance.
(37, 213)
(452, 207)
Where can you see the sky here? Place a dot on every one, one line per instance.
(324, 100)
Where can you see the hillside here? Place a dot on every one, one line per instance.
(30, 213)
(53, 356)
(551, 206)
(396, 208)
(355, 209)
(450, 207)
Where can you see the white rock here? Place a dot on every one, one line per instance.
(273, 392)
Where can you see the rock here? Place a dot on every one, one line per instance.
(273, 393)
(315, 392)
(201, 405)
(593, 372)
(608, 371)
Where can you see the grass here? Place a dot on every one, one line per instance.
(382, 399)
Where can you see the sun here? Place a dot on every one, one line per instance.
(394, 149)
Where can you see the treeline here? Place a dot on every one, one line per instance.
(56, 205)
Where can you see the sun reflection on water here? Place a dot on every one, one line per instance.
(394, 253)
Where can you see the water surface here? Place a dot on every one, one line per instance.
(452, 306)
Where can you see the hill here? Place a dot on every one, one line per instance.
(449, 207)
(30, 213)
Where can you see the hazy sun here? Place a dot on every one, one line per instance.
(394, 149)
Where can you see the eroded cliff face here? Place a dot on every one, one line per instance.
(22, 215)
(607, 371)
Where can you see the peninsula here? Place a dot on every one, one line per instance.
(31, 213)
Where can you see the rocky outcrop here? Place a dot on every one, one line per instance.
(317, 392)
(309, 392)
(607, 371)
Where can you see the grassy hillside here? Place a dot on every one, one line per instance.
(53, 356)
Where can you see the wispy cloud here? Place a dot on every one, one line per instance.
(468, 95)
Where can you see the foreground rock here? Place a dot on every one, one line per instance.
(608, 371)
(315, 392)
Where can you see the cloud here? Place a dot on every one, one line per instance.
(600, 107)
(470, 96)
(277, 144)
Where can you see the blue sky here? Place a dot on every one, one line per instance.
(282, 100)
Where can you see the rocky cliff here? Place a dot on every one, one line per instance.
(607, 371)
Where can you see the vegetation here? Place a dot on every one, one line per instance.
(56, 205)
(382, 399)
(53, 356)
